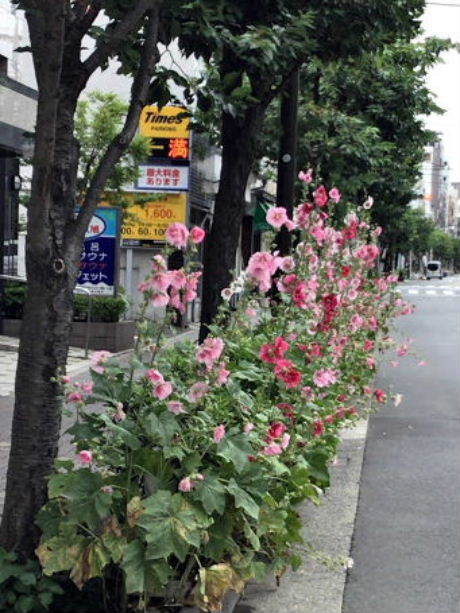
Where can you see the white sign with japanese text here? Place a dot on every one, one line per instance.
(154, 178)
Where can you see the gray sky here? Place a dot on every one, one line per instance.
(442, 18)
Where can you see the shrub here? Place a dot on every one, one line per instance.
(23, 587)
(105, 309)
(188, 480)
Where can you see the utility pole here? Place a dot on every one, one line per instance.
(287, 160)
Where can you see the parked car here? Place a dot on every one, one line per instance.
(434, 269)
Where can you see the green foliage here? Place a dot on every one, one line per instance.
(103, 309)
(199, 495)
(99, 119)
(12, 300)
(23, 588)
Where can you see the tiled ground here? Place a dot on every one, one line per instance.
(8, 361)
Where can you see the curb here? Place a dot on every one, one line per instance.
(328, 532)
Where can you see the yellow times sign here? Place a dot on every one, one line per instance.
(150, 221)
(164, 123)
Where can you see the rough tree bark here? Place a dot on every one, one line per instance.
(55, 238)
(238, 153)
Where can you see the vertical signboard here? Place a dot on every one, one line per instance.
(98, 262)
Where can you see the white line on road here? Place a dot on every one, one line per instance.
(413, 291)
(448, 292)
(430, 292)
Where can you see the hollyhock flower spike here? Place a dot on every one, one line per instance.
(163, 390)
(176, 407)
(97, 359)
(335, 195)
(306, 176)
(277, 216)
(321, 197)
(197, 235)
(177, 235)
(219, 433)
(86, 457)
(186, 485)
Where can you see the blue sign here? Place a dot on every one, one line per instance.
(98, 262)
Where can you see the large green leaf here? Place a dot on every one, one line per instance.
(123, 432)
(211, 493)
(243, 500)
(172, 525)
(163, 426)
(143, 575)
(236, 449)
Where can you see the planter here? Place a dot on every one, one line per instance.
(114, 337)
(231, 600)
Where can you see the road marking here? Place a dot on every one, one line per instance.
(430, 292)
(413, 291)
(448, 292)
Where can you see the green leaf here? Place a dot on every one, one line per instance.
(251, 536)
(211, 494)
(172, 525)
(163, 426)
(243, 500)
(126, 436)
(236, 449)
(25, 604)
(143, 575)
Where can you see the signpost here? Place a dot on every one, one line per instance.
(98, 262)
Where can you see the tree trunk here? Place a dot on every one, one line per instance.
(238, 153)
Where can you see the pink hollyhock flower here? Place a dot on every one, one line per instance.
(272, 449)
(369, 345)
(176, 407)
(177, 235)
(197, 391)
(277, 430)
(261, 267)
(163, 390)
(160, 281)
(177, 279)
(251, 312)
(321, 197)
(219, 433)
(75, 397)
(371, 362)
(303, 297)
(290, 225)
(335, 195)
(368, 253)
(175, 300)
(287, 264)
(155, 376)
(286, 440)
(159, 263)
(86, 457)
(272, 352)
(325, 377)
(277, 216)
(306, 176)
(223, 375)
(210, 351)
(288, 373)
(88, 387)
(66, 379)
(308, 393)
(319, 428)
(160, 299)
(248, 428)
(186, 485)
(97, 359)
(381, 395)
(197, 235)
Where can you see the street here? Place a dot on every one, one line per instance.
(406, 540)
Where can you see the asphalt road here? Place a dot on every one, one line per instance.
(406, 542)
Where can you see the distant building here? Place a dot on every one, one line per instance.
(432, 188)
(17, 122)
